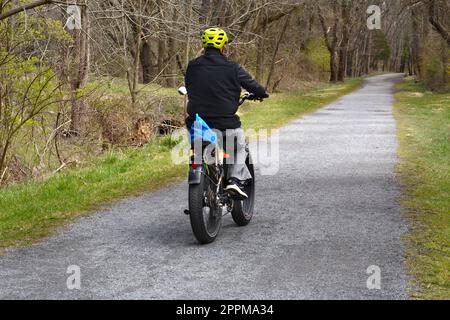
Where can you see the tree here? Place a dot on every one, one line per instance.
(80, 71)
(29, 87)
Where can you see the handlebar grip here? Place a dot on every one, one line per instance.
(251, 97)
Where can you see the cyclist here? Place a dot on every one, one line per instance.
(214, 86)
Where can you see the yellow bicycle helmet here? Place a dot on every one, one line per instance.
(214, 37)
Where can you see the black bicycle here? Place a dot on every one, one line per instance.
(208, 202)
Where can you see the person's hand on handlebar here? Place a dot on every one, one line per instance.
(265, 96)
(251, 96)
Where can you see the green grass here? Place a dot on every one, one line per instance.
(424, 131)
(31, 211)
(34, 210)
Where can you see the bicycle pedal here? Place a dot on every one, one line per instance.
(186, 212)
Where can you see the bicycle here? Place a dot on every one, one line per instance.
(208, 202)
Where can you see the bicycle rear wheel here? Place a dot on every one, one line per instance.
(206, 220)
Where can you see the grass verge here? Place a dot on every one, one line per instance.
(34, 210)
(424, 132)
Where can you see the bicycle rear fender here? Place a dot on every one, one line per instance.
(195, 174)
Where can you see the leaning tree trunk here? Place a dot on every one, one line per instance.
(277, 47)
(437, 25)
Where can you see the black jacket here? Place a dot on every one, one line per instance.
(214, 86)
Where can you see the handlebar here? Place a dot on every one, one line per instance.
(249, 96)
(246, 96)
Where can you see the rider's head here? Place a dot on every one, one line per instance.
(214, 38)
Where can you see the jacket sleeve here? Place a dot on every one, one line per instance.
(248, 83)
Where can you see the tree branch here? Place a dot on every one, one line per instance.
(24, 7)
(436, 24)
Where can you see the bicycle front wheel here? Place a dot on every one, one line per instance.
(242, 212)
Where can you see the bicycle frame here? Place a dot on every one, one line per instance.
(197, 170)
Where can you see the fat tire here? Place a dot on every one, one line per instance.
(242, 212)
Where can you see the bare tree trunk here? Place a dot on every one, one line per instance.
(343, 50)
(146, 62)
(411, 63)
(161, 54)
(3, 164)
(162, 48)
(334, 66)
(416, 53)
(342, 69)
(172, 66)
(188, 32)
(81, 73)
(277, 47)
(369, 53)
(217, 15)
(349, 62)
(133, 71)
(445, 62)
(172, 49)
(330, 36)
(204, 13)
(261, 54)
